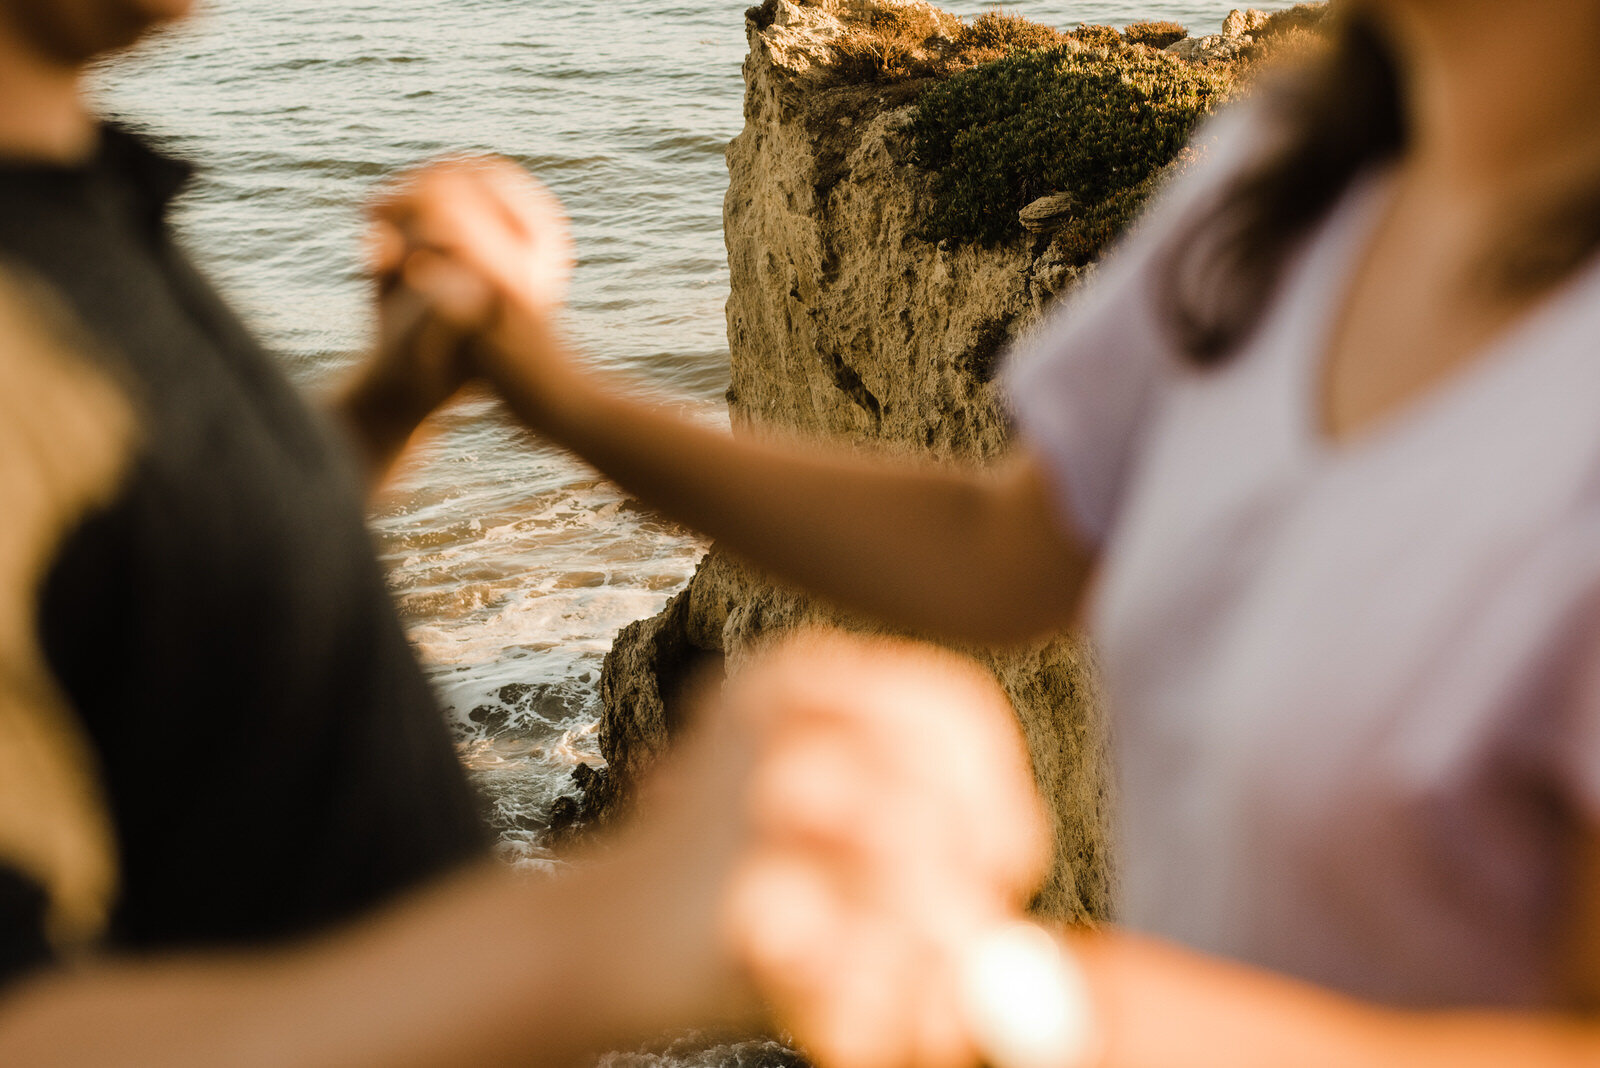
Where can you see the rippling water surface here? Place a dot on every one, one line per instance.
(514, 566)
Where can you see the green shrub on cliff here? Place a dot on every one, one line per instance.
(1154, 34)
(1097, 124)
(996, 34)
(1097, 36)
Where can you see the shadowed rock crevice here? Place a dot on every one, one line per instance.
(849, 382)
(982, 358)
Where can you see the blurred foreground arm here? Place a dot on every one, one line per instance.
(798, 847)
(489, 969)
(961, 552)
(1161, 1006)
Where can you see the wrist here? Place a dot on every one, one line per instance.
(528, 364)
(1026, 999)
(645, 963)
(378, 420)
(386, 402)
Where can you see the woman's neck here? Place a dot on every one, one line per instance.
(43, 115)
(1503, 99)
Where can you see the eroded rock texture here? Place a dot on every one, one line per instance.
(842, 323)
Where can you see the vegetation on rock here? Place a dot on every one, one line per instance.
(1154, 34)
(895, 43)
(1097, 124)
(1009, 110)
(1098, 36)
(1300, 17)
(886, 43)
(1099, 115)
(1288, 34)
(995, 34)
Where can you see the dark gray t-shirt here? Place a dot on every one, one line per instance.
(273, 757)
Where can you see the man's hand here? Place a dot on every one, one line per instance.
(895, 820)
(846, 817)
(485, 214)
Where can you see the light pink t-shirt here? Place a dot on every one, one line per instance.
(1354, 688)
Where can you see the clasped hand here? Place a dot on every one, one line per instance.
(472, 258)
(852, 814)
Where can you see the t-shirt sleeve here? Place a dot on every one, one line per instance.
(24, 942)
(1081, 384)
(1563, 734)
(1572, 746)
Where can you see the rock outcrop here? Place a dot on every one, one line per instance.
(1244, 32)
(843, 323)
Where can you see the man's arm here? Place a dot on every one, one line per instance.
(486, 970)
(418, 366)
(489, 967)
(798, 802)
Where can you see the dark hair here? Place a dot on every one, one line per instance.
(1340, 115)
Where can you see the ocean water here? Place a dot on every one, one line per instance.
(513, 565)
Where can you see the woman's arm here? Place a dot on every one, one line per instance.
(965, 553)
(1161, 1006)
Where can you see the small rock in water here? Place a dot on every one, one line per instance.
(1211, 48)
(584, 774)
(1047, 214)
(564, 814)
(1238, 23)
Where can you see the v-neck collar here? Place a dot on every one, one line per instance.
(1301, 331)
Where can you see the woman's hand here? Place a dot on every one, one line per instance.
(486, 250)
(460, 250)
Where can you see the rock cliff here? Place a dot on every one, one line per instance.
(843, 322)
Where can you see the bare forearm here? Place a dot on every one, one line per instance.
(417, 366)
(378, 418)
(485, 970)
(961, 552)
(1161, 1006)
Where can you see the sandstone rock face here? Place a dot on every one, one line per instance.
(842, 323)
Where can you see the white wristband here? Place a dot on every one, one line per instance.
(1026, 1000)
